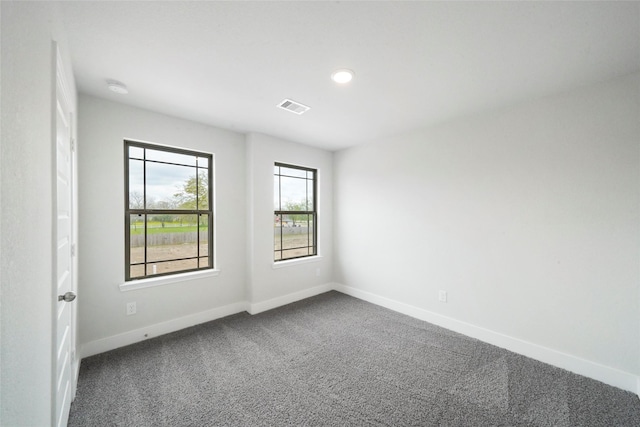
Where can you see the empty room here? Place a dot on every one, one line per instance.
(323, 213)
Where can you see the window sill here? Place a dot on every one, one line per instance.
(166, 280)
(292, 262)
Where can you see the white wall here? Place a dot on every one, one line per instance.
(103, 125)
(268, 286)
(27, 298)
(528, 217)
(244, 228)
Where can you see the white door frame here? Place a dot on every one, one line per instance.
(63, 223)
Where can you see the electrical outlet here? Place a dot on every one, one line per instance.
(318, 272)
(442, 296)
(131, 308)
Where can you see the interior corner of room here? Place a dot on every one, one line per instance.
(515, 221)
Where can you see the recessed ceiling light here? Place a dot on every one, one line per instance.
(117, 87)
(342, 76)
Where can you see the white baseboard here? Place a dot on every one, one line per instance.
(259, 307)
(75, 376)
(605, 374)
(141, 334)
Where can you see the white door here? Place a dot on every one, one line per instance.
(63, 271)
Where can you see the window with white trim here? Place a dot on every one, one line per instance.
(295, 212)
(168, 210)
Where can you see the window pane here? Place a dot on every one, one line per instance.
(136, 184)
(312, 247)
(136, 239)
(169, 157)
(172, 266)
(203, 162)
(310, 195)
(203, 228)
(136, 152)
(170, 186)
(293, 172)
(202, 191)
(171, 237)
(292, 241)
(296, 223)
(295, 253)
(277, 231)
(293, 194)
(276, 193)
(203, 262)
(136, 271)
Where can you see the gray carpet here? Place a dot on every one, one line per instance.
(334, 360)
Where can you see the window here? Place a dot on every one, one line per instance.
(168, 210)
(295, 212)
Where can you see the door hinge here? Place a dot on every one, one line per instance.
(73, 249)
(73, 145)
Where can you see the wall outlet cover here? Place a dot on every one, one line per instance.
(131, 308)
(442, 296)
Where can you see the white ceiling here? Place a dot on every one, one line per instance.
(417, 63)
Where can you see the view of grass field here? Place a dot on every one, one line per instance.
(173, 247)
(156, 227)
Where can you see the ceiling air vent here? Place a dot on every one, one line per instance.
(293, 106)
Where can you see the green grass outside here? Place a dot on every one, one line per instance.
(156, 228)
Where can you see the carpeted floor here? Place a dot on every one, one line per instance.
(333, 360)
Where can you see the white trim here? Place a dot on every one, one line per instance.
(75, 372)
(131, 337)
(137, 335)
(297, 261)
(167, 280)
(608, 375)
(259, 307)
